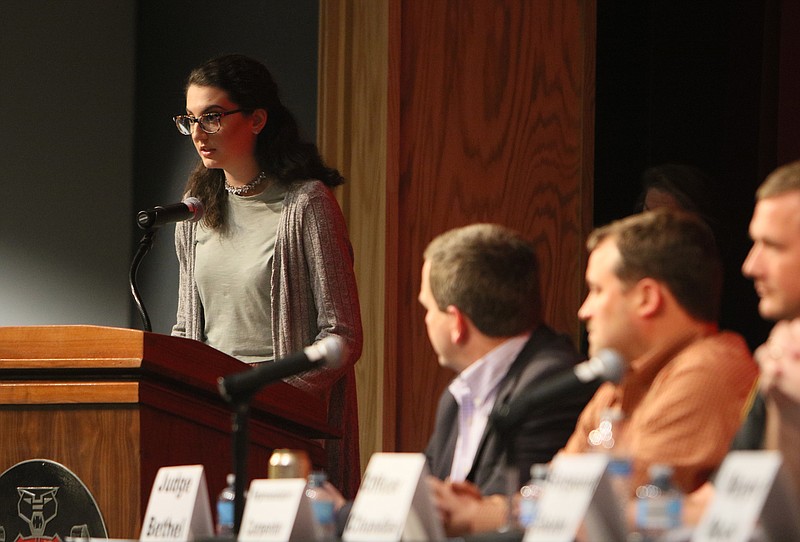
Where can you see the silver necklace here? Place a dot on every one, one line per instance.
(246, 189)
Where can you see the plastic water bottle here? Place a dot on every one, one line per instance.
(322, 505)
(605, 439)
(530, 494)
(659, 504)
(226, 508)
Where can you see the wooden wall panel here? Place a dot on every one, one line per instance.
(495, 121)
(443, 113)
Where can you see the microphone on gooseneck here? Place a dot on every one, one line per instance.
(606, 366)
(327, 352)
(189, 209)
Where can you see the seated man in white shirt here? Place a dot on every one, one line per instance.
(480, 288)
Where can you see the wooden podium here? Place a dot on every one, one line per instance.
(114, 405)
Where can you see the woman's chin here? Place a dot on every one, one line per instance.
(210, 163)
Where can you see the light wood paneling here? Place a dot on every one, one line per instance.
(352, 137)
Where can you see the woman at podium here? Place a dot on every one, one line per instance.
(268, 270)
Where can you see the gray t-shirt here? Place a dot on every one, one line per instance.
(233, 272)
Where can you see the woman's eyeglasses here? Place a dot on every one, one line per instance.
(210, 123)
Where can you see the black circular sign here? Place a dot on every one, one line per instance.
(43, 501)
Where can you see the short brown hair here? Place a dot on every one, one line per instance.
(784, 179)
(674, 247)
(491, 274)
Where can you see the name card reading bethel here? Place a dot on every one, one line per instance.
(750, 485)
(394, 502)
(178, 508)
(277, 511)
(577, 489)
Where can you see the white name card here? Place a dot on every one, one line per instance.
(577, 490)
(178, 508)
(394, 502)
(750, 485)
(277, 510)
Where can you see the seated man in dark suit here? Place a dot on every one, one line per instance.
(480, 288)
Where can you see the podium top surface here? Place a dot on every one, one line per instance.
(106, 353)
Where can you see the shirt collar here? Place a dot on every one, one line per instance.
(482, 377)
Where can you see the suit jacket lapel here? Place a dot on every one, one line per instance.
(442, 449)
(506, 388)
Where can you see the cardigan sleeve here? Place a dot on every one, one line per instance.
(189, 312)
(314, 287)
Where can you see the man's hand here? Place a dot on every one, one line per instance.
(338, 499)
(779, 359)
(457, 503)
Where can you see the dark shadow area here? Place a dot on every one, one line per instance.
(691, 83)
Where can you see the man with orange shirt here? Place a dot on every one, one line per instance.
(654, 283)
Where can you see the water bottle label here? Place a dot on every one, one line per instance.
(619, 467)
(658, 514)
(225, 512)
(528, 509)
(323, 511)
(674, 513)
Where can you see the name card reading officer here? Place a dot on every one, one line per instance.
(394, 502)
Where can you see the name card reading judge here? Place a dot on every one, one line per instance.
(178, 508)
(277, 510)
(394, 502)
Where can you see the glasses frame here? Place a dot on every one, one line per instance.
(199, 120)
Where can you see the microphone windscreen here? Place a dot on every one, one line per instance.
(331, 349)
(607, 365)
(196, 207)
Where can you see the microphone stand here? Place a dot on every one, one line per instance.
(145, 244)
(239, 440)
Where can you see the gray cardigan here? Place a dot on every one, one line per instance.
(314, 295)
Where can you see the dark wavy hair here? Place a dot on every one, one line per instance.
(280, 151)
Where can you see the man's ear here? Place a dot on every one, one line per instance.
(459, 330)
(649, 296)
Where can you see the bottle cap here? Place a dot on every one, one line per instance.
(285, 463)
(539, 470)
(660, 475)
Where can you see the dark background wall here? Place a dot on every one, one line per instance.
(66, 148)
(89, 90)
(694, 83)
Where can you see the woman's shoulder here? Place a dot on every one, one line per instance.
(308, 190)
